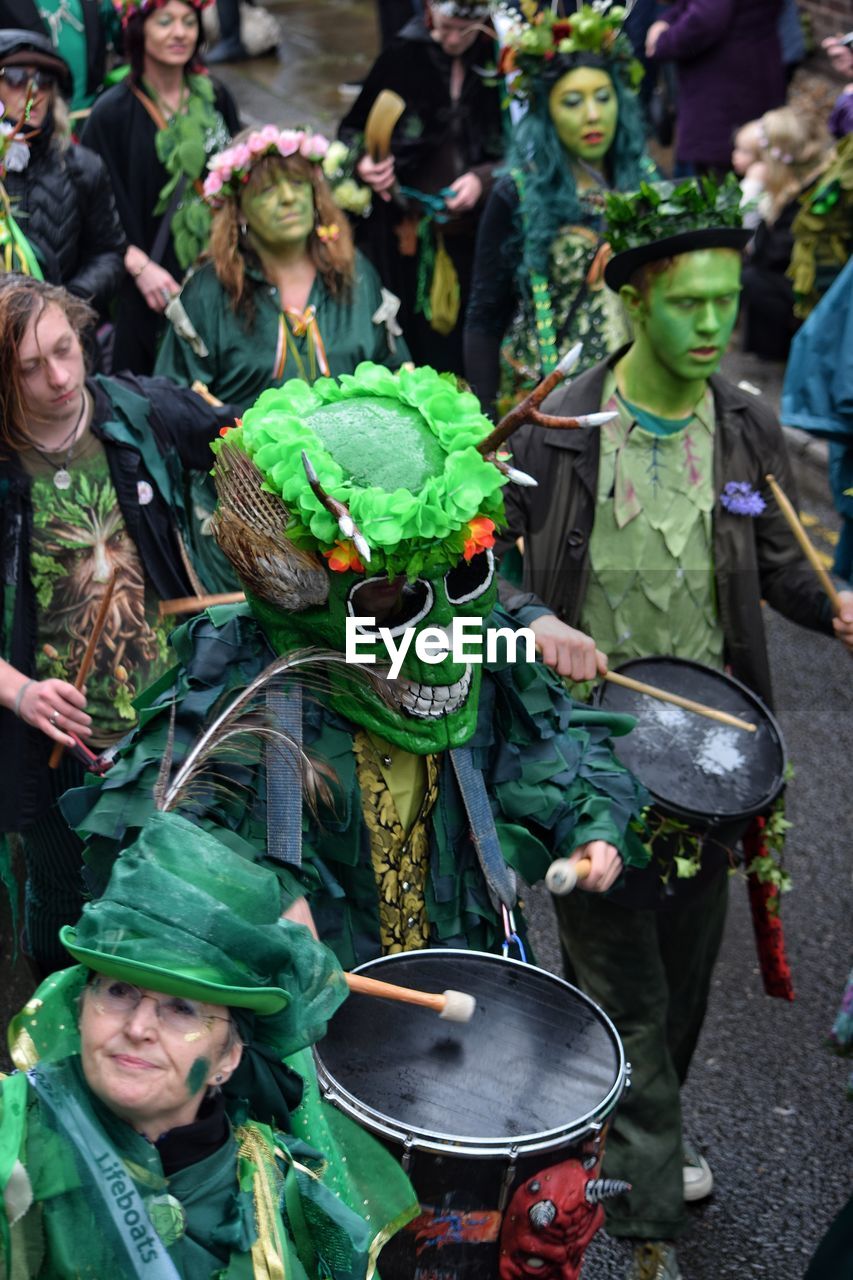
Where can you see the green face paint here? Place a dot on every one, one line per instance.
(691, 311)
(585, 112)
(281, 213)
(197, 1077)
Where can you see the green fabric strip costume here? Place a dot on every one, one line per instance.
(391, 479)
(651, 586)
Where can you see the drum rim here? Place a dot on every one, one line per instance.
(436, 1142)
(694, 815)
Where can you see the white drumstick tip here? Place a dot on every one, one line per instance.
(561, 877)
(458, 1006)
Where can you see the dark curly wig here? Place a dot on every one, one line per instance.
(550, 193)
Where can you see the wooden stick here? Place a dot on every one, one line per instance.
(456, 1006)
(652, 691)
(195, 604)
(563, 875)
(88, 658)
(806, 545)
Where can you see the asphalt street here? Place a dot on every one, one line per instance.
(766, 1100)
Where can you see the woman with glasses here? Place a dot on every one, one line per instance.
(59, 195)
(155, 131)
(157, 1130)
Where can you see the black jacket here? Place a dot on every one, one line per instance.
(64, 205)
(755, 558)
(172, 429)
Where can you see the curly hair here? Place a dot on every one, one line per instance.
(24, 299)
(549, 183)
(230, 252)
(134, 43)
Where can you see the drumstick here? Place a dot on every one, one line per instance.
(454, 1006)
(194, 604)
(806, 545)
(88, 658)
(562, 875)
(652, 691)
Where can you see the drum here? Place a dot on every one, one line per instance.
(508, 1110)
(698, 770)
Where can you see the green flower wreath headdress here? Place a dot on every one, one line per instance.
(416, 508)
(545, 45)
(663, 219)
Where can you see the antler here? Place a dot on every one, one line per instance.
(528, 411)
(339, 510)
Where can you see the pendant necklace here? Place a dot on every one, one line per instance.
(62, 476)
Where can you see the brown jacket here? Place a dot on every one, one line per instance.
(756, 557)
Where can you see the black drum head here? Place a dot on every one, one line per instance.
(538, 1057)
(695, 768)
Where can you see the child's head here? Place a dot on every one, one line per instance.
(790, 148)
(747, 147)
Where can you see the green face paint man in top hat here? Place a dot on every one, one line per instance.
(659, 536)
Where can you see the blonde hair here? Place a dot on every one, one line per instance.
(334, 259)
(792, 148)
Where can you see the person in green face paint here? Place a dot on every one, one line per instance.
(283, 293)
(658, 535)
(345, 507)
(538, 285)
(166, 1106)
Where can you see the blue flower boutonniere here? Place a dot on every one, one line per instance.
(741, 499)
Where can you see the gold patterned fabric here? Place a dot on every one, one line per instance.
(400, 858)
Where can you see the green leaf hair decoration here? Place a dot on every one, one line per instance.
(670, 209)
(541, 43)
(399, 449)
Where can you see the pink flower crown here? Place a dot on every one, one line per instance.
(229, 170)
(127, 8)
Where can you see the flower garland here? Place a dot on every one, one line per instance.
(543, 37)
(229, 170)
(453, 514)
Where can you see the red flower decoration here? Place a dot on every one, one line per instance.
(561, 31)
(481, 534)
(343, 558)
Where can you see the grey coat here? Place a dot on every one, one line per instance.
(755, 556)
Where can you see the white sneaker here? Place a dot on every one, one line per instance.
(698, 1178)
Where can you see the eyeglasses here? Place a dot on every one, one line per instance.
(174, 1012)
(20, 77)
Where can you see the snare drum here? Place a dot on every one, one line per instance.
(697, 770)
(476, 1111)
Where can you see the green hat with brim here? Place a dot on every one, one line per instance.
(622, 266)
(186, 915)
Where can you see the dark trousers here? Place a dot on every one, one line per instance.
(651, 973)
(53, 857)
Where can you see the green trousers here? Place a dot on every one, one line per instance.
(651, 973)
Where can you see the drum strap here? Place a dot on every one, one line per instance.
(284, 774)
(500, 878)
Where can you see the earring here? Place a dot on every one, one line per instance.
(220, 1078)
(243, 228)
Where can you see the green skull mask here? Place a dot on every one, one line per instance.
(392, 519)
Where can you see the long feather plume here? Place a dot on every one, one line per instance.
(242, 717)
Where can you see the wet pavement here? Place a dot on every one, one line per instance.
(325, 44)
